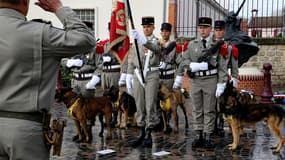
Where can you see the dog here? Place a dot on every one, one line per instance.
(244, 97)
(240, 115)
(169, 102)
(81, 109)
(126, 105)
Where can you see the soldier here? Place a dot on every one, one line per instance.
(170, 59)
(228, 51)
(229, 54)
(109, 69)
(145, 94)
(30, 57)
(82, 67)
(204, 82)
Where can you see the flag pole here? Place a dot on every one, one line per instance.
(135, 40)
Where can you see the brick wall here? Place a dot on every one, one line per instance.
(275, 55)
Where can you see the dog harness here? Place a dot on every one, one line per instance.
(119, 97)
(70, 109)
(228, 119)
(165, 105)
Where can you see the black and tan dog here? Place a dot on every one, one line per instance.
(240, 115)
(82, 109)
(169, 102)
(126, 105)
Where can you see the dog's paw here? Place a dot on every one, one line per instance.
(276, 151)
(232, 146)
(123, 127)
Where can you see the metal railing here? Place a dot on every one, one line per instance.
(260, 18)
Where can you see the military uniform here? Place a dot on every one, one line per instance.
(30, 58)
(203, 84)
(146, 94)
(110, 71)
(169, 60)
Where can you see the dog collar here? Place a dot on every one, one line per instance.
(70, 109)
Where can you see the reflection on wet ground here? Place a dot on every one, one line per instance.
(253, 145)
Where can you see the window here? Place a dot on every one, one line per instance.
(86, 14)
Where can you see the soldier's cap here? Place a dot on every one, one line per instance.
(88, 24)
(148, 20)
(219, 24)
(166, 26)
(205, 21)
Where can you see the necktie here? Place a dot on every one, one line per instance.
(204, 43)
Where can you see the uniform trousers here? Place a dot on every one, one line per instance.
(146, 100)
(22, 140)
(109, 79)
(202, 92)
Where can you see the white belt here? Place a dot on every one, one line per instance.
(112, 67)
(82, 75)
(206, 73)
(172, 71)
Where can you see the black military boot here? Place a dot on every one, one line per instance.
(148, 140)
(198, 140)
(90, 133)
(139, 139)
(208, 142)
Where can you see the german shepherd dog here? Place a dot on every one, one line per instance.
(125, 104)
(248, 114)
(244, 97)
(81, 109)
(169, 102)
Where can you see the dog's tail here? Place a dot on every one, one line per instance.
(185, 92)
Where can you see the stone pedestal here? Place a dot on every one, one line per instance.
(266, 96)
(251, 79)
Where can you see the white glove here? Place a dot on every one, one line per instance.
(162, 65)
(92, 83)
(138, 36)
(194, 66)
(177, 82)
(107, 59)
(220, 89)
(235, 82)
(203, 66)
(74, 62)
(122, 80)
(129, 83)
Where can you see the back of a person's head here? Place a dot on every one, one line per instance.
(11, 1)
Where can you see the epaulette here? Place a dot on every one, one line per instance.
(41, 21)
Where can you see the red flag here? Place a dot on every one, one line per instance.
(119, 39)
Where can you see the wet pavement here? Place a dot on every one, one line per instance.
(253, 145)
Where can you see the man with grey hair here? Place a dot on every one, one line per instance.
(30, 58)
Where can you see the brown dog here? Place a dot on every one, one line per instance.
(169, 102)
(81, 109)
(243, 114)
(126, 105)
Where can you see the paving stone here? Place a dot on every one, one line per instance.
(253, 145)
